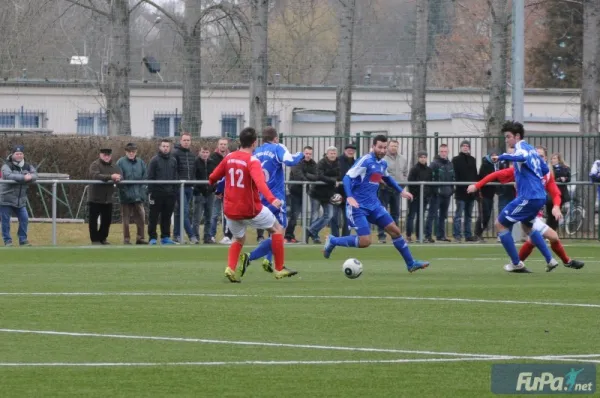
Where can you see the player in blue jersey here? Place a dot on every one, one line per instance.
(530, 169)
(363, 207)
(273, 156)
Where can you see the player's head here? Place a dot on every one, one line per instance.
(248, 138)
(269, 134)
(513, 132)
(443, 151)
(308, 153)
(393, 147)
(164, 146)
(379, 146)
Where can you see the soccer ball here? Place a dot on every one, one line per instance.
(352, 268)
(336, 199)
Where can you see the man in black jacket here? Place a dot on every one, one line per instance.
(185, 169)
(306, 170)
(328, 170)
(203, 194)
(442, 170)
(419, 172)
(345, 160)
(465, 170)
(489, 164)
(217, 157)
(162, 167)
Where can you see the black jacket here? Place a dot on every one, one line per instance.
(202, 170)
(506, 190)
(216, 158)
(345, 164)
(465, 170)
(303, 171)
(487, 168)
(420, 172)
(562, 171)
(162, 167)
(443, 171)
(185, 162)
(328, 172)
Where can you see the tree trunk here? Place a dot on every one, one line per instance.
(258, 82)
(343, 95)
(191, 118)
(418, 117)
(116, 86)
(590, 100)
(496, 109)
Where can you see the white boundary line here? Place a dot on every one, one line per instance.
(233, 363)
(299, 296)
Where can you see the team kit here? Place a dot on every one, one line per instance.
(256, 173)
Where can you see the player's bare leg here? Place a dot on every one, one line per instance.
(557, 247)
(400, 244)
(233, 272)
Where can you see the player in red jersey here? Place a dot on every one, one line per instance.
(244, 179)
(506, 176)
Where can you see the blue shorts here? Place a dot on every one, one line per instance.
(280, 214)
(521, 210)
(361, 218)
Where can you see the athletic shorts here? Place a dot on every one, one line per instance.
(263, 220)
(521, 210)
(280, 214)
(361, 218)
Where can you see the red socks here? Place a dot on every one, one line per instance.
(526, 250)
(234, 254)
(558, 248)
(277, 248)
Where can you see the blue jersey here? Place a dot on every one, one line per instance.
(220, 188)
(530, 169)
(363, 179)
(272, 158)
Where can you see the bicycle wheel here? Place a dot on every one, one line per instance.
(574, 221)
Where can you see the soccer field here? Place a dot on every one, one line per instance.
(156, 321)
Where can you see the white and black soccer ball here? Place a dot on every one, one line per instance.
(352, 268)
(336, 199)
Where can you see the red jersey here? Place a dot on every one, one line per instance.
(244, 179)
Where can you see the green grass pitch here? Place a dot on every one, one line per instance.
(117, 322)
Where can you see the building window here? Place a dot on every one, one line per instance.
(21, 118)
(92, 123)
(231, 125)
(167, 124)
(273, 121)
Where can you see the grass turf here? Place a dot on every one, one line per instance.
(180, 292)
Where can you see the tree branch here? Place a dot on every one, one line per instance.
(139, 3)
(89, 7)
(178, 23)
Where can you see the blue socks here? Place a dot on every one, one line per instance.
(402, 247)
(509, 245)
(263, 249)
(344, 241)
(538, 240)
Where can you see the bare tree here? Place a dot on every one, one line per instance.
(258, 81)
(196, 16)
(343, 95)
(496, 108)
(418, 118)
(590, 99)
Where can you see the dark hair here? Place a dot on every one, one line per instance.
(185, 133)
(513, 127)
(443, 146)
(205, 148)
(247, 137)
(307, 147)
(165, 140)
(379, 138)
(269, 134)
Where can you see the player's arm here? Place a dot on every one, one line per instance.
(553, 191)
(258, 177)
(286, 157)
(503, 176)
(391, 182)
(218, 173)
(519, 156)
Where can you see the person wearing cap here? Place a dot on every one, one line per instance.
(132, 196)
(419, 172)
(485, 201)
(346, 161)
(465, 170)
(328, 171)
(101, 196)
(13, 197)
